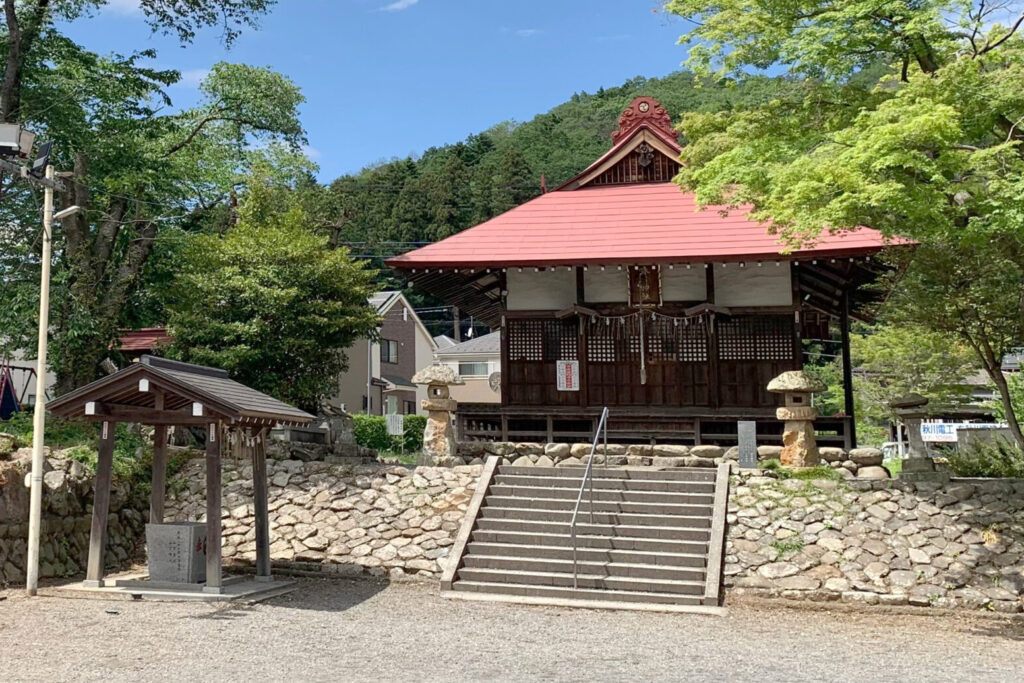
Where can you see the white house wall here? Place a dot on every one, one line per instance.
(753, 285)
(684, 284)
(546, 290)
(607, 286)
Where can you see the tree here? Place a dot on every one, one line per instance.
(902, 116)
(269, 300)
(138, 171)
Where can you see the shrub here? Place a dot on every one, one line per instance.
(998, 458)
(371, 431)
(60, 433)
(807, 474)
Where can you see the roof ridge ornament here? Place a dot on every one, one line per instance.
(644, 111)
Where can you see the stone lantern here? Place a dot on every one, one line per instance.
(799, 449)
(439, 435)
(918, 466)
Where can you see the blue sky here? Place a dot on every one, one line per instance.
(389, 78)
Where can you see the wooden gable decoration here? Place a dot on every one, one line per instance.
(645, 150)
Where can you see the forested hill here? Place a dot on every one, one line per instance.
(389, 208)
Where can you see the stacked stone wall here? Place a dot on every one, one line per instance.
(859, 462)
(889, 542)
(67, 518)
(337, 519)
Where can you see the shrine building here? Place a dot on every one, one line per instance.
(615, 289)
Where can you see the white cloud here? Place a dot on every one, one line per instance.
(125, 8)
(528, 32)
(193, 77)
(312, 153)
(398, 5)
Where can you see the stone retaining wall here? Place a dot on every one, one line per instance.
(337, 519)
(67, 517)
(855, 540)
(889, 542)
(860, 462)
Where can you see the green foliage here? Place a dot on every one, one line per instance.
(269, 300)
(901, 116)
(805, 474)
(788, 546)
(1015, 385)
(371, 432)
(59, 432)
(896, 360)
(997, 458)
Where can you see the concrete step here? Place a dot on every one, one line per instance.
(603, 494)
(587, 529)
(557, 592)
(607, 569)
(695, 558)
(602, 483)
(544, 503)
(565, 580)
(562, 541)
(674, 474)
(530, 512)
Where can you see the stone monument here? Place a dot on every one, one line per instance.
(439, 435)
(911, 409)
(799, 448)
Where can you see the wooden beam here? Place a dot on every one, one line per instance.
(848, 403)
(259, 493)
(100, 507)
(213, 509)
(159, 488)
(148, 416)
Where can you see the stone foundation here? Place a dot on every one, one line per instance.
(67, 518)
(859, 462)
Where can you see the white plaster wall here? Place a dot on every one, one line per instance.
(605, 286)
(546, 290)
(683, 284)
(767, 285)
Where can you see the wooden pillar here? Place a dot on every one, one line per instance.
(850, 436)
(100, 507)
(213, 508)
(159, 489)
(714, 381)
(259, 493)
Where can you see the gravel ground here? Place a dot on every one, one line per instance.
(359, 630)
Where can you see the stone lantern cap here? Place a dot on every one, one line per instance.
(437, 374)
(796, 381)
(909, 401)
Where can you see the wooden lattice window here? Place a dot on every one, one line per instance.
(755, 338)
(542, 340)
(693, 343)
(601, 350)
(526, 340)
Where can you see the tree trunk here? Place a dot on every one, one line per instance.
(1004, 395)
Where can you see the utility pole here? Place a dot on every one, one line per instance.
(39, 412)
(35, 478)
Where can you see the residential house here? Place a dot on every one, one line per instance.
(382, 370)
(476, 360)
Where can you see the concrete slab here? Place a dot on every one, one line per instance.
(585, 604)
(243, 589)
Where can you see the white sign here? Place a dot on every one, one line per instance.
(945, 432)
(568, 375)
(939, 432)
(396, 424)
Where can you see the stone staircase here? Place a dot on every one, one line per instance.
(655, 539)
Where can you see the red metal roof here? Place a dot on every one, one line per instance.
(146, 339)
(642, 223)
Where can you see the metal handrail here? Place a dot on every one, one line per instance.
(602, 425)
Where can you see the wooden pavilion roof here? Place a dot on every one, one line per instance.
(159, 391)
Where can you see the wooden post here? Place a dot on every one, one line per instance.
(213, 508)
(156, 496)
(259, 493)
(100, 507)
(850, 437)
